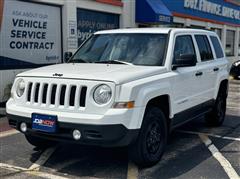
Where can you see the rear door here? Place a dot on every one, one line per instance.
(207, 68)
(219, 58)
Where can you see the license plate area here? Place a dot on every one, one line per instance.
(45, 123)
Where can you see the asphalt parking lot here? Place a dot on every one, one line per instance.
(193, 151)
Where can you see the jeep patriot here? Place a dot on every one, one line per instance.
(125, 87)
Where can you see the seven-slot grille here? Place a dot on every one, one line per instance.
(71, 95)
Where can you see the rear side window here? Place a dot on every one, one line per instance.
(204, 47)
(217, 47)
(183, 46)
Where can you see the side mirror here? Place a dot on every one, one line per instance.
(67, 56)
(185, 60)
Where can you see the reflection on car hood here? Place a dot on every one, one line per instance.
(105, 72)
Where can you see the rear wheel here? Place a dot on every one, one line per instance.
(39, 142)
(217, 115)
(152, 139)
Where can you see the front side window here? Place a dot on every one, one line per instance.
(137, 49)
(183, 46)
(204, 47)
(230, 43)
(217, 47)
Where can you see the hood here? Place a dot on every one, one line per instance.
(104, 72)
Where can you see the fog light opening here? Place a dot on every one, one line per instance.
(23, 127)
(76, 134)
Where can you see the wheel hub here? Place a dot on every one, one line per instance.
(220, 109)
(153, 138)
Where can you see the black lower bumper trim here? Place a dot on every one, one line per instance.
(100, 135)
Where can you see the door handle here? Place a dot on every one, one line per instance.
(199, 73)
(216, 69)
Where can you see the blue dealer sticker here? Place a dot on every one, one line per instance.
(46, 123)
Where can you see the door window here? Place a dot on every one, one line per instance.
(217, 47)
(204, 47)
(183, 46)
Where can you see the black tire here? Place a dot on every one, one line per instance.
(217, 115)
(39, 142)
(151, 142)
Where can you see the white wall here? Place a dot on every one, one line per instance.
(96, 6)
(69, 15)
(128, 16)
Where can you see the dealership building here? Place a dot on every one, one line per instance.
(38, 32)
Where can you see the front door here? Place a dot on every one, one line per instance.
(185, 87)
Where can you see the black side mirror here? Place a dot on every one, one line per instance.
(67, 56)
(185, 60)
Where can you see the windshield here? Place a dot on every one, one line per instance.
(136, 49)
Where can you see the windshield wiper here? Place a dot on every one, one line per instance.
(114, 62)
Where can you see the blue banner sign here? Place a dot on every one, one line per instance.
(152, 11)
(220, 11)
(89, 22)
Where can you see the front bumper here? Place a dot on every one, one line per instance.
(126, 117)
(110, 135)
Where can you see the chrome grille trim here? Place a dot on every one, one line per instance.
(37, 91)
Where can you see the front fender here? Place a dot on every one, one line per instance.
(142, 94)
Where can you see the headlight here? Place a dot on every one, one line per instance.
(20, 88)
(102, 94)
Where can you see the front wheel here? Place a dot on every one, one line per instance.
(39, 142)
(152, 139)
(217, 115)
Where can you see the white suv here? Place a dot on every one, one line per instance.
(127, 87)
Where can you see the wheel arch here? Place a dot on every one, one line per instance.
(222, 87)
(145, 94)
(162, 102)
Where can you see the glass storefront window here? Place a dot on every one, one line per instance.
(197, 27)
(218, 32)
(177, 25)
(89, 21)
(230, 43)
